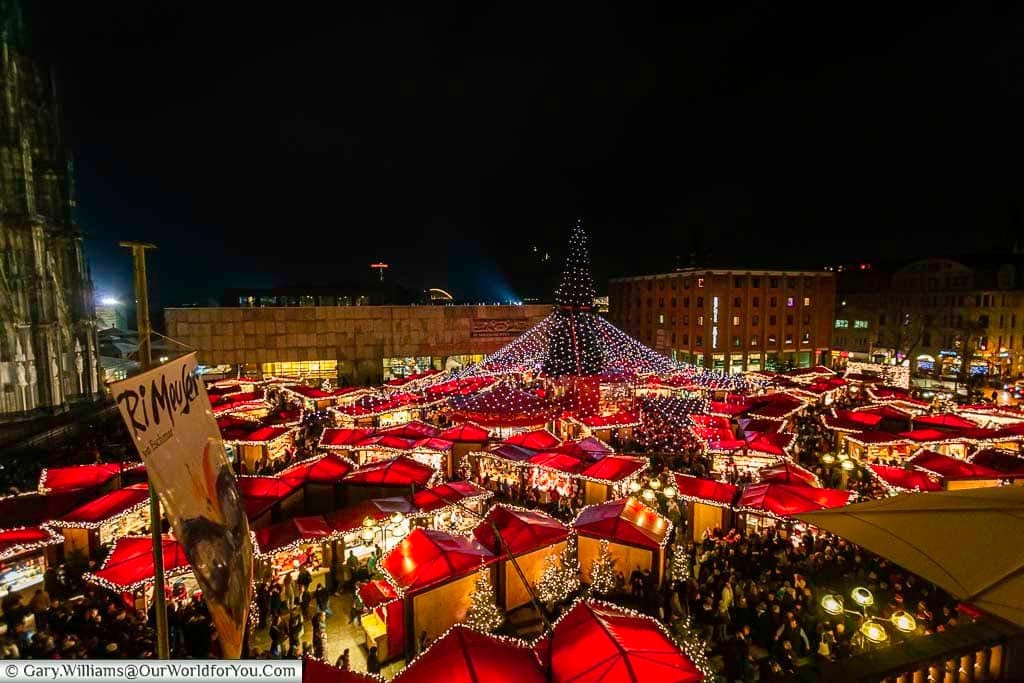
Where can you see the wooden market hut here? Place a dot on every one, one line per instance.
(269, 499)
(465, 437)
(529, 536)
(609, 477)
(616, 426)
(955, 473)
(25, 554)
(322, 672)
(463, 655)
(103, 520)
(285, 547)
(342, 440)
(257, 446)
(709, 503)
(898, 479)
(636, 536)
(1008, 463)
(768, 504)
(434, 573)
(399, 475)
(321, 479)
(128, 569)
(596, 641)
(445, 504)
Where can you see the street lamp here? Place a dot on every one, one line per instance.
(871, 629)
(670, 492)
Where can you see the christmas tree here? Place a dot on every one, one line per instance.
(574, 347)
(602, 571)
(484, 615)
(680, 568)
(561, 575)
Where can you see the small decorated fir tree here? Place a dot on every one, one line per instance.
(680, 568)
(602, 571)
(484, 615)
(561, 577)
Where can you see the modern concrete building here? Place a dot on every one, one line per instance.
(732, 319)
(355, 344)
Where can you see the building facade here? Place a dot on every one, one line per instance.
(729, 319)
(48, 349)
(354, 344)
(934, 314)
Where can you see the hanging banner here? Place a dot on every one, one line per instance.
(169, 417)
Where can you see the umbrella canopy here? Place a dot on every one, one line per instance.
(398, 471)
(600, 643)
(466, 656)
(966, 542)
(522, 530)
(784, 500)
(626, 520)
(426, 558)
(130, 563)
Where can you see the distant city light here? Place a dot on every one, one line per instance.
(110, 301)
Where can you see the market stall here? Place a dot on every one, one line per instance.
(257, 447)
(615, 427)
(954, 472)
(383, 624)
(596, 641)
(770, 504)
(342, 440)
(384, 478)
(100, 522)
(463, 655)
(320, 398)
(611, 477)
(285, 548)
(322, 672)
(898, 479)
(128, 569)
(454, 506)
(370, 527)
(530, 536)
(873, 447)
(465, 438)
(373, 410)
(709, 503)
(505, 410)
(1008, 463)
(434, 573)
(269, 499)
(636, 536)
(321, 480)
(431, 451)
(25, 553)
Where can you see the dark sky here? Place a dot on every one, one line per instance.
(273, 143)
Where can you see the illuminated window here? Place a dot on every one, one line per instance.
(318, 369)
(700, 321)
(700, 282)
(806, 339)
(842, 324)
(789, 340)
(772, 339)
(790, 302)
(860, 324)
(661, 318)
(735, 321)
(807, 301)
(736, 341)
(753, 341)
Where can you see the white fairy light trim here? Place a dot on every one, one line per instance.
(52, 538)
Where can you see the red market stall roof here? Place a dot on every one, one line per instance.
(398, 443)
(369, 406)
(322, 672)
(130, 564)
(727, 408)
(414, 429)
(107, 506)
(951, 468)
(883, 392)
(342, 438)
(1007, 463)
(323, 469)
(707, 491)
(256, 436)
(710, 421)
(876, 438)
(426, 558)
(505, 405)
(614, 468)
(318, 393)
(944, 421)
(788, 473)
(522, 530)
(537, 440)
(928, 435)
(816, 371)
(458, 387)
(513, 453)
(589, 448)
(906, 480)
(443, 495)
(467, 656)
(282, 418)
(414, 377)
(771, 443)
(776, 406)
(229, 402)
(14, 542)
(626, 521)
(753, 425)
(233, 422)
(398, 471)
(618, 420)
(600, 643)
(291, 532)
(782, 500)
(377, 592)
(59, 479)
(265, 487)
(560, 462)
(467, 432)
(886, 412)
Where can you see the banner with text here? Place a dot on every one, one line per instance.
(169, 417)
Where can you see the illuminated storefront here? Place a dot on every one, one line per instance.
(306, 369)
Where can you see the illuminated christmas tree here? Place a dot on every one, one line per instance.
(680, 567)
(484, 615)
(602, 571)
(561, 577)
(574, 348)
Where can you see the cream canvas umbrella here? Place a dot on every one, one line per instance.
(969, 542)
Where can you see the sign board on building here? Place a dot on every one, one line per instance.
(498, 327)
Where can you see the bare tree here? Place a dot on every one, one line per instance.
(904, 336)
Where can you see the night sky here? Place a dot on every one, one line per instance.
(263, 144)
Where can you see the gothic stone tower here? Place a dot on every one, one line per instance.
(48, 347)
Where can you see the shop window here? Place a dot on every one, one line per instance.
(842, 324)
(247, 301)
(270, 301)
(661, 318)
(362, 301)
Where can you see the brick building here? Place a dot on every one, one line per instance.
(729, 319)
